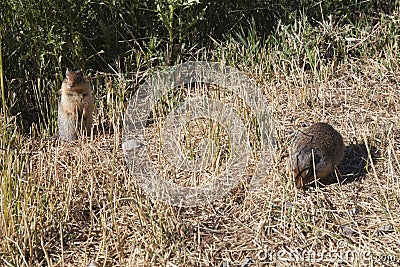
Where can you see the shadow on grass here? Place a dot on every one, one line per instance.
(356, 162)
(355, 165)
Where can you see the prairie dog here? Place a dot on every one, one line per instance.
(75, 110)
(317, 150)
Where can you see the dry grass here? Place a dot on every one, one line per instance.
(71, 204)
(82, 204)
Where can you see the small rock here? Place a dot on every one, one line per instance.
(348, 229)
(386, 229)
(247, 262)
(92, 264)
(288, 204)
(131, 144)
(354, 211)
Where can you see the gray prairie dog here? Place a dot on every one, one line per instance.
(316, 152)
(75, 110)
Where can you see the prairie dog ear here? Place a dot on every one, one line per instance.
(67, 73)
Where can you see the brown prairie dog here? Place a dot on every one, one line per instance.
(75, 110)
(316, 151)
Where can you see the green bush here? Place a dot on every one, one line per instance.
(42, 38)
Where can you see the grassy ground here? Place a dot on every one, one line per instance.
(72, 204)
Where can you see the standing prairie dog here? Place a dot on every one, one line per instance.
(75, 110)
(316, 151)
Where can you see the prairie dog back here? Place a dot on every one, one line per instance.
(316, 151)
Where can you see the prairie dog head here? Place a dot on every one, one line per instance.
(75, 81)
(74, 78)
(307, 162)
